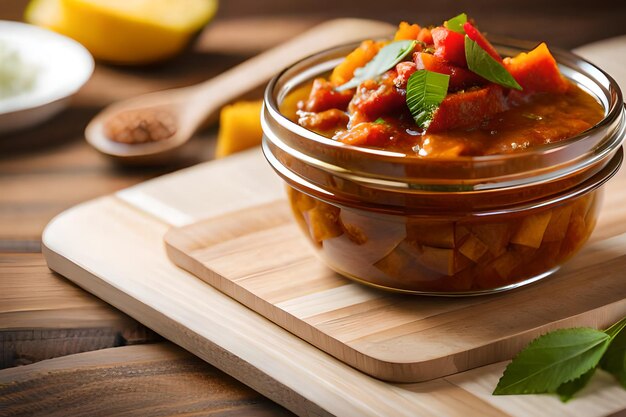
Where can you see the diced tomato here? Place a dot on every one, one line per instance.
(367, 134)
(468, 109)
(405, 70)
(460, 78)
(537, 71)
(374, 99)
(475, 35)
(323, 97)
(425, 36)
(450, 46)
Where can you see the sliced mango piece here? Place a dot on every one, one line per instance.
(240, 128)
(532, 229)
(355, 59)
(123, 31)
(557, 228)
(431, 233)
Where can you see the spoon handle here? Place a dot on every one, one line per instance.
(207, 98)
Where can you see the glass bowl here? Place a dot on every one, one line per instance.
(434, 226)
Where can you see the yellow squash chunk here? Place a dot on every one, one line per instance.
(532, 229)
(240, 128)
(494, 235)
(323, 222)
(557, 228)
(473, 248)
(356, 59)
(407, 32)
(429, 233)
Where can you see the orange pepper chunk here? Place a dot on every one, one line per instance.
(407, 32)
(356, 59)
(537, 71)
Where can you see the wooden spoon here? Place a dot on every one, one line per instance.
(183, 110)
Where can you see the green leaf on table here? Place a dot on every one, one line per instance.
(483, 64)
(456, 23)
(552, 360)
(614, 360)
(567, 390)
(425, 91)
(388, 57)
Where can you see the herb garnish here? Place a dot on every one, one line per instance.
(483, 64)
(388, 57)
(563, 361)
(425, 91)
(456, 23)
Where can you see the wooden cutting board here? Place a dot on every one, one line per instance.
(259, 257)
(113, 247)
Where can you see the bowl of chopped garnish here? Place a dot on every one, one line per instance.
(39, 71)
(440, 163)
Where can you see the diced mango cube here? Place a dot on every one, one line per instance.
(240, 127)
(323, 222)
(557, 228)
(431, 233)
(505, 264)
(532, 229)
(438, 259)
(473, 248)
(495, 235)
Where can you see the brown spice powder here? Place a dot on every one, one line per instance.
(141, 126)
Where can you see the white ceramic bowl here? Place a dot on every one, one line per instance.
(62, 67)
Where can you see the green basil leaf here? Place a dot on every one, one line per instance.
(616, 329)
(388, 57)
(380, 121)
(567, 390)
(614, 360)
(456, 23)
(483, 64)
(552, 360)
(425, 91)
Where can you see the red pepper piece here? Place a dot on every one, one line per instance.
(450, 46)
(468, 109)
(475, 35)
(323, 97)
(537, 71)
(460, 78)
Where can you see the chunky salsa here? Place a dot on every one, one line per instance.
(443, 92)
(526, 103)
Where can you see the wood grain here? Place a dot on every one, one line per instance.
(219, 330)
(155, 380)
(43, 316)
(259, 257)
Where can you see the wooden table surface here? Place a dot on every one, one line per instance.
(67, 353)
